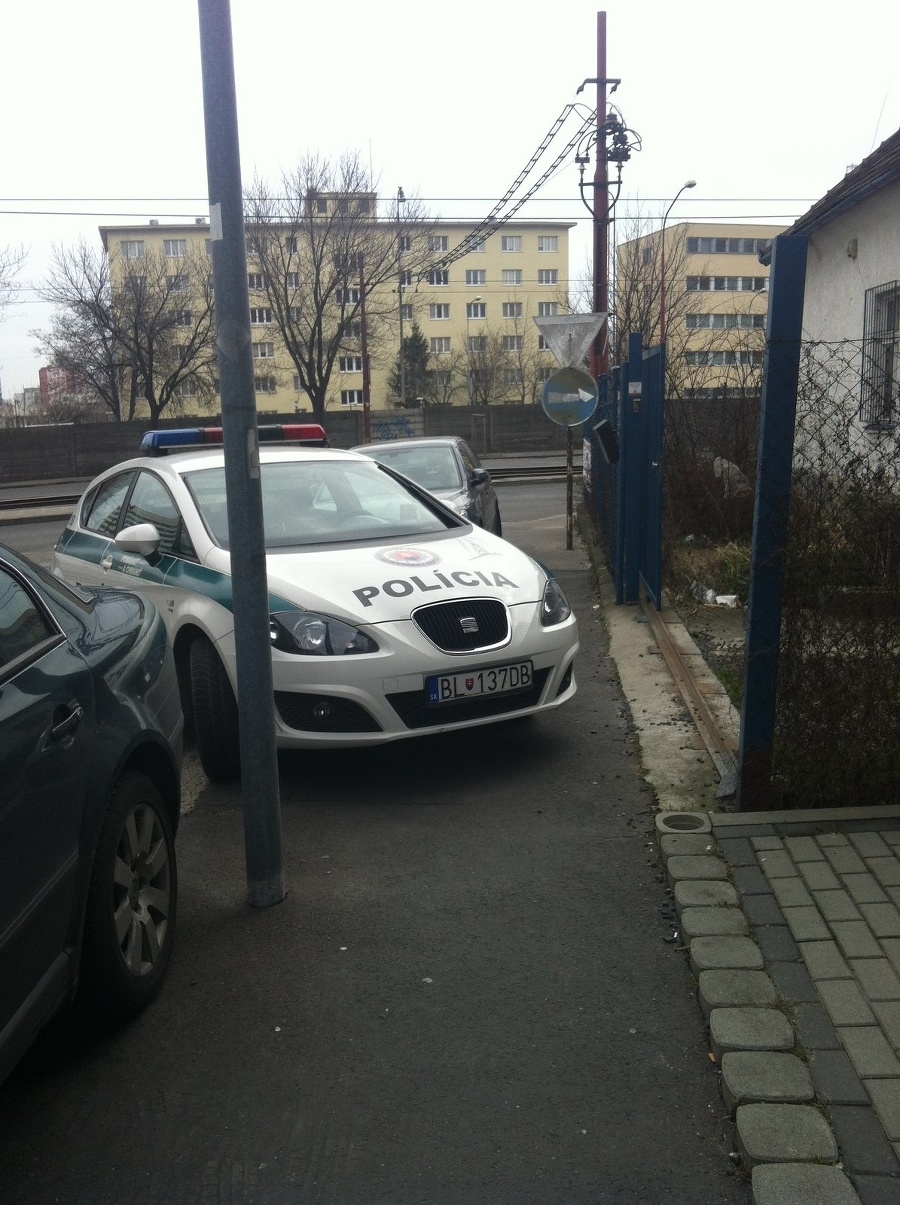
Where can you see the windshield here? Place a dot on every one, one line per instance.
(434, 468)
(321, 502)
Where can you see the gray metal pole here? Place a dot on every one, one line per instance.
(259, 763)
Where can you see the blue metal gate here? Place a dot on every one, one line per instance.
(625, 495)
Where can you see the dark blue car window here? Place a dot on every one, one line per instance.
(22, 626)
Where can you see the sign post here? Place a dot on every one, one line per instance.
(570, 395)
(569, 398)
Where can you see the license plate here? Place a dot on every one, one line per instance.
(498, 680)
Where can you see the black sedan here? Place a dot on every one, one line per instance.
(90, 766)
(447, 466)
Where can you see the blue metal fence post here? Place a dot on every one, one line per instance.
(770, 521)
(631, 468)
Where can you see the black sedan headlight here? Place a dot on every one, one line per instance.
(312, 635)
(554, 605)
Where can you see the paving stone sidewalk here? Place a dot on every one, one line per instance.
(792, 924)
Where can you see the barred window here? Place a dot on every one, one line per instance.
(880, 368)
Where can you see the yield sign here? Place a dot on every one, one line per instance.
(570, 335)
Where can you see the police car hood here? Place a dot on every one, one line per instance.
(379, 583)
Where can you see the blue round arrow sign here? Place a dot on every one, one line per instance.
(570, 396)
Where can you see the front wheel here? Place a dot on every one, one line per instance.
(130, 913)
(215, 713)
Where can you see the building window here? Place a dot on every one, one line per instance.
(186, 388)
(347, 296)
(512, 276)
(208, 244)
(513, 342)
(511, 242)
(260, 315)
(548, 242)
(407, 311)
(438, 276)
(184, 318)
(441, 378)
(440, 346)
(293, 313)
(298, 388)
(545, 372)
(132, 248)
(350, 363)
(512, 309)
(438, 242)
(542, 344)
(290, 245)
(726, 246)
(880, 367)
(548, 309)
(177, 284)
(263, 351)
(513, 377)
(351, 330)
(724, 359)
(476, 276)
(351, 397)
(174, 248)
(256, 281)
(264, 384)
(547, 276)
(405, 242)
(476, 343)
(406, 278)
(292, 280)
(726, 284)
(439, 311)
(476, 309)
(478, 248)
(725, 322)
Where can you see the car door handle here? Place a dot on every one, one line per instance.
(106, 562)
(67, 725)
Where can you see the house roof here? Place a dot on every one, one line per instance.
(875, 172)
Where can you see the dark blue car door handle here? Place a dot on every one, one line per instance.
(67, 725)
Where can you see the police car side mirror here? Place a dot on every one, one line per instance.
(143, 539)
(479, 476)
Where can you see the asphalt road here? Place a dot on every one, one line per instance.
(466, 997)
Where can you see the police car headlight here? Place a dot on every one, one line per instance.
(554, 605)
(309, 634)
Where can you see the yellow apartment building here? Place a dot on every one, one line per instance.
(474, 310)
(713, 293)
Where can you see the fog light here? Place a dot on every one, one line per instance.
(322, 710)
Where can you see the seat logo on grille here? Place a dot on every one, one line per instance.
(468, 623)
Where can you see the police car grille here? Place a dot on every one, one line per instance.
(412, 708)
(447, 624)
(344, 715)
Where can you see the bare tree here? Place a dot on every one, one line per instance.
(326, 260)
(11, 261)
(132, 332)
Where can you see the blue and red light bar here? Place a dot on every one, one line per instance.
(157, 443)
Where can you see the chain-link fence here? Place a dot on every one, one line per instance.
(838, 698)
(837, 712)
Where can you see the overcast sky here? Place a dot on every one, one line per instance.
(764, 104)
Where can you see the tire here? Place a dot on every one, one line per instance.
(215, 714)
(131, 904)
(498, 526)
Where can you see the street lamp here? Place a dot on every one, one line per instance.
(400, 200)
(469, 350)
(662, 263)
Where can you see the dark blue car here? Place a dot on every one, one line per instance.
(90, 764)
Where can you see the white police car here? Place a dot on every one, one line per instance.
(391, 615)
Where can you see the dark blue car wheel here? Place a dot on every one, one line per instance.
(130, 915)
